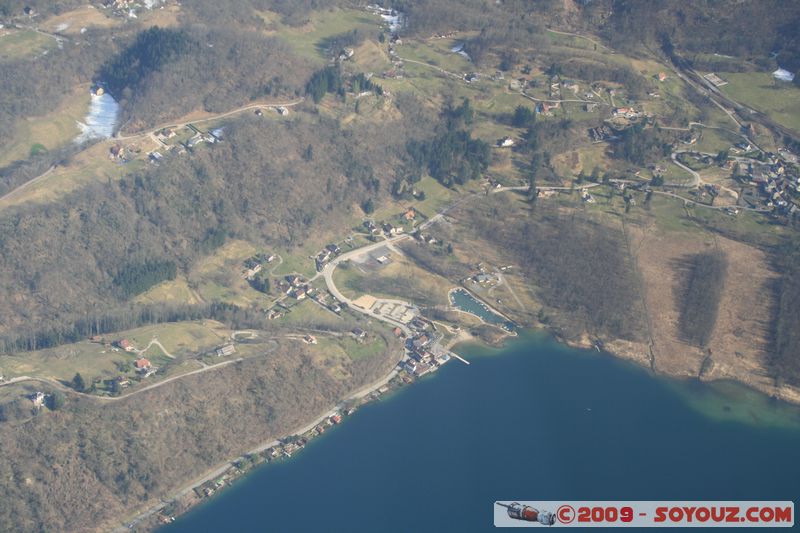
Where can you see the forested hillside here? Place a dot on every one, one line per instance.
(580, 269)
(35, 88)
(166, 73)
(786, 361)
(89, 463)
(750, 29)
(113, 240)
(705, 281)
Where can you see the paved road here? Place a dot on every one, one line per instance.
(220, 469)
(328, 270)
(29, 183)
(57, 384)
(236, 111)
(695, 176)
(693, 203)
(151, 134)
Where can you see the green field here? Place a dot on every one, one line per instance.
(309, 40)
(51, 131)
(15, 44)
(373, 345)
(778, 99)
(309, 313)
(96, 360)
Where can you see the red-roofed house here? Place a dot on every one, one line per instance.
(142, 364)
(126, 345)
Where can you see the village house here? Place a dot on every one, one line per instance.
(391, 229)
(142, 365)
(505, 142)
(251, 272)
(294, 280)
(228, 349)
(627, 112)
(372, 228)
(420, 342)
(117, 153)
(126, 345)
(299, 293)
(662, 76)
(359, 334)
(38, 398)
(410, 214)
(570, 85)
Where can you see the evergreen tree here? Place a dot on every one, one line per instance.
(78, 383)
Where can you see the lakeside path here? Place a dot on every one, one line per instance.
(327, 275)
(223, 467)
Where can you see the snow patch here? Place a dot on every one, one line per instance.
(101, 120)
(783, 75)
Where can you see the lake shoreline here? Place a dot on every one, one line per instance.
(392, 382)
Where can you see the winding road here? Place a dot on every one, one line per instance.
(151, 134)
(57, 384)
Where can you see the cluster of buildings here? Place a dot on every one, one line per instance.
(408, 216)
(602, 133)
(326, 254)
(296, 287)
(629, 113)
(295, 443)
(253, 265)
(121, 154)
(166, 137)
(426, 354)
(776, 183)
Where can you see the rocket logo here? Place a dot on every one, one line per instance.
(527, 513)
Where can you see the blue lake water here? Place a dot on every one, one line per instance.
(533, 421)
(465, 301)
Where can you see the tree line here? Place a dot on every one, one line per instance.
(452, 156)
(786, 339)
(136, 278)
(700, 296)
(108, 321)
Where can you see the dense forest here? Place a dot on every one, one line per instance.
(580, 269)
(745, 29)
(640, 145)
(452, 156)
(699, 299)
(105, 320)
(165, 73)
(135, 278)
(150, 51)
(786, 359)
